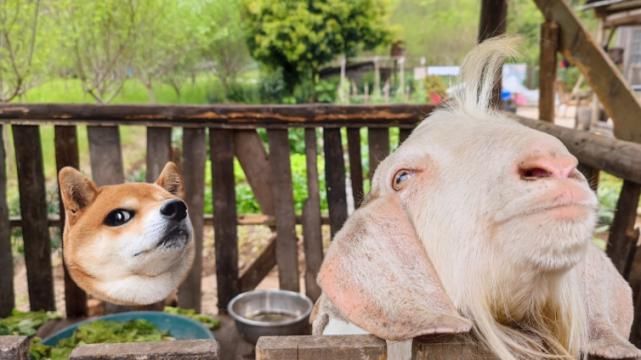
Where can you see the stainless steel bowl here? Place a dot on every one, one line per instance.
(270, 313)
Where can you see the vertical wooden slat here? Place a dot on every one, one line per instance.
(355, 165)
(193, 171)
(158, 151)
(66, 143)
(493, 22)
(286, 248)
(623, 237)
(106, 155)
(251, 154)
(591, 175)
(7, 300)
(335, 178)
(226, 235)
(33, 209)
(547, 73)
(312, 235)
(378, 139)
(403, 134)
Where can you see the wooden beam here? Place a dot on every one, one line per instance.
(547, 72)
(623, 237)
(7, 296)
(362, 347)
(66, 143)
(312, 230)
(286, 243)
(193, 171)
(217, 116)
(259, 268)
(251, 154)
(578, 47)
(493, 22)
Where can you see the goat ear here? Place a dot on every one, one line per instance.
(609, 307)
(379, 277)
(171, 180)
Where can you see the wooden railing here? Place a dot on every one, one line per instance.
(228, 132)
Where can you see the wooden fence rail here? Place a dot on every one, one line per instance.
(224, 133)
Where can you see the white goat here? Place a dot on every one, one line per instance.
(477, 222)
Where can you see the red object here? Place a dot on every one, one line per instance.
(435, 98)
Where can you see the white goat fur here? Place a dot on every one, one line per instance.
(513, 270)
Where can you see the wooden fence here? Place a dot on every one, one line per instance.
(228, 132)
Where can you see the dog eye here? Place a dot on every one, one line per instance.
(400, 178)
(118, 217)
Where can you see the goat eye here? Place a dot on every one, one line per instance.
(400, 178)
(118, 217)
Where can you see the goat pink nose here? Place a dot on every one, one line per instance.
(545, 166)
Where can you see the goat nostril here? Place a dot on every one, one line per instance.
(533, 173)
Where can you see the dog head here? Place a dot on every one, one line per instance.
(475, 221)
(129, 244)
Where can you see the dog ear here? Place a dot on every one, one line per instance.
(77, 191)
(609, 307)
(171, 180)
(379, 277)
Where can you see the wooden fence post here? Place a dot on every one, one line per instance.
(33, 208)
(335, 178)
(193, 171)
(547, 72)
(312, 232)
(7, 296)
(158, 151)
(355, 165)
(378, 139)
(106, 155)
(623, 237)
(286, 248)
(221, 144)
(493, 22)
(66, 143)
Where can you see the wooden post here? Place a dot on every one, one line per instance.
(33, 207)
(251, 154)
(221, 143)
(335, 178)
(355, 165)
(193, 171)
(106, 155)
(7, 296)
(403, 134)
(312, 232)
(623, 237)
(66, 143)
(547, 72)
(493, 23)
(286, 247)
(158, 151)
(378, 140)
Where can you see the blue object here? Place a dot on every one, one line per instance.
(179, 327)
(505, 95)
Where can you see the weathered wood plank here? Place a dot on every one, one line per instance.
(193, 171)
(355, 164)
(66, 144)
(286, 247)
(158, 151)
(448, 346)
(335, 179)
(493, 22)
(259, 268)
(312, 232)
(14, 347)
(226, 116)
(7, 295)
(106, 155)
(161, 350)
(595, 150)
(605, 79)
(226, 235)
(379, 148)
(33, 207)
(362, 347)
(547, 73)
(251, 154)
(623, 237)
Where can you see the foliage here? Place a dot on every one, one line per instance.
(99, 332)
(608, 194)
(211, 322)
(25, 323)
(298, 37)
(524, 19)
(434, 85)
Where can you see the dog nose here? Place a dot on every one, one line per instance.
(174, 210)
(547, 166)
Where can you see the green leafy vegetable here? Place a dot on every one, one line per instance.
(25, 323)
(210, 321)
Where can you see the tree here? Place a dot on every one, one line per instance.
(298, 37)
(22, 47)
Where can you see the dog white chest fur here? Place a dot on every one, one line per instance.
(478, 223)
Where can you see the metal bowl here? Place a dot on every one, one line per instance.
(270, 313)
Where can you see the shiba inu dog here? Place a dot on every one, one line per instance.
(129, 244)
